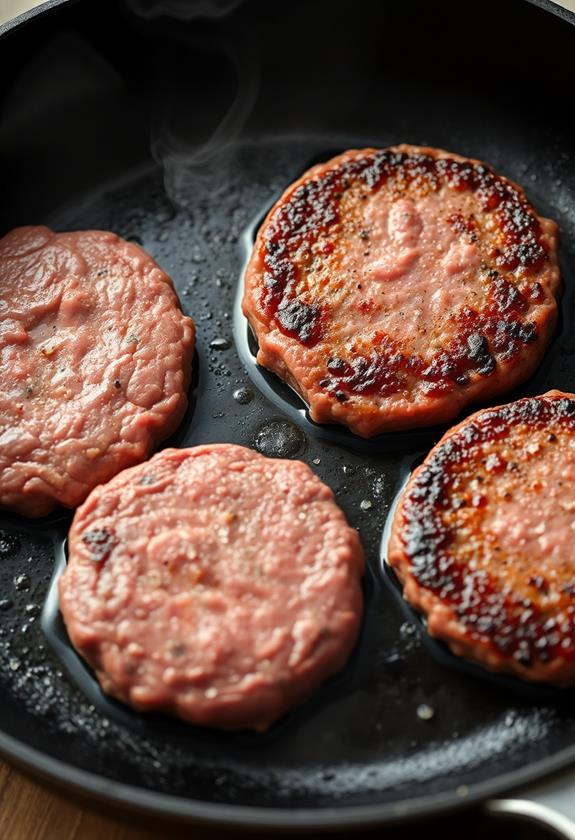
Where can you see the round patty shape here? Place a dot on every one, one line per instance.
(392, 288)
(95, 362)
(213, 583)
(483, 538)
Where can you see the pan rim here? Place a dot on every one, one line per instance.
(555, 9)
(154, 803)
(128, 797)
(28, 15)
(48, 5)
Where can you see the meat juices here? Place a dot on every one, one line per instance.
(392, 288)
(95, 362)
(483, 538)
(213, 583)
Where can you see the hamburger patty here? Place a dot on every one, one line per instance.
(483, 538)
(193, 591)
(391, 288)
(95, 362)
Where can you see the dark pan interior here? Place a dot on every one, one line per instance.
(178, 134)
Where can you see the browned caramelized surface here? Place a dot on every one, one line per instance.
(487, 526)
(314, 281)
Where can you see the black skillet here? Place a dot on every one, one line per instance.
(178, 129)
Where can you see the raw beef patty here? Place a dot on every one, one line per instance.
(483, 538)
(213, 583)
(95, 362)
(391, 288)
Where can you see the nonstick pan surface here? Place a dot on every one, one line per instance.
(179, 133)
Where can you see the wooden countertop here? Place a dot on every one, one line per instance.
(31, 812)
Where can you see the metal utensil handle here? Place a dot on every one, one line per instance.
(551, 803)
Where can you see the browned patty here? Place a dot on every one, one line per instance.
(483, 538)
(391, 288)
(95, 362)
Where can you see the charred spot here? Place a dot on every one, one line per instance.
(517, 218)
(311, 207)
(335, 365)
(517, 627)
(514, 331)
(305, 224)
(506, 297)
(382, 165)
(300, 320)
(459, 175)
(492, 192)
(538, 582)
(421, 170)
(566, 406)
(528, 333)
(443, 366)
(279, 275)
(524, 657)
(99, 543)
(528, 252)
(463, 226)
(495, 463)
(374, 374)
(478, 353)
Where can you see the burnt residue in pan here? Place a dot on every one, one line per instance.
(367, 732)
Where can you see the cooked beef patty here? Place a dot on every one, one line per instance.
(95, 362)
(483, 538)
(213, 583)
(391, 288)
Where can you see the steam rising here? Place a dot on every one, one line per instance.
(208, 168)
(205, 168)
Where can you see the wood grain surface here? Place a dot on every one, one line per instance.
(30, 812)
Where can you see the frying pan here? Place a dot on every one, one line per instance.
(176, 124)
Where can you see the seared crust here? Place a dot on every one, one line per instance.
(482, 539)
(325, 311)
